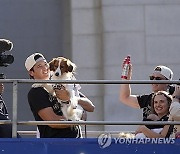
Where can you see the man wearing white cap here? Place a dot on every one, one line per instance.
(44, 106)
(144, 101)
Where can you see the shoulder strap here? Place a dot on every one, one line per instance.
(170, 130)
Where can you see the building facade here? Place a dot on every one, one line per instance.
(96, 35)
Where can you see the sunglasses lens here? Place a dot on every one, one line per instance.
(151, 77)
(158, 78)
(155, 78)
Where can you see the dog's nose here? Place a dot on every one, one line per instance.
(74, 107)
(56, 74)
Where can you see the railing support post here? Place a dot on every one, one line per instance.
(14, 120)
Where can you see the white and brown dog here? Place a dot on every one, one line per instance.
(63, 69)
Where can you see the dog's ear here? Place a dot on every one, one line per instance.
(51, 65)
(71, 66)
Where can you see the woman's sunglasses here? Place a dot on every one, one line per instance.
(155, 78)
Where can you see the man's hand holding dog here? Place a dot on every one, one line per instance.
(62, 94)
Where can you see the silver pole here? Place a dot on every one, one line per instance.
(99, 122)
(14, 120)
(93, 81)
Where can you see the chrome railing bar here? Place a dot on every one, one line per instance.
(34, 132)
(93, 81)
(14, 118)
(92, 122)
(99, 122)
(2, 122)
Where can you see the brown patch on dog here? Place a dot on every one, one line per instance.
(53, 64)
(65, 65)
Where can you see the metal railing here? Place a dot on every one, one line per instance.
(15, 121)
(85, 134)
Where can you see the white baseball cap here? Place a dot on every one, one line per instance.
(165, 71)
(33, 59)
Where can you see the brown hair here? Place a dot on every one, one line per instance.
(164, 93)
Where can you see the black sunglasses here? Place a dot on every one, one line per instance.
(155, 78)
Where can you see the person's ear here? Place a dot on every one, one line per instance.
(31, 73)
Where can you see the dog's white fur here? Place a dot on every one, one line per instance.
(70, 110)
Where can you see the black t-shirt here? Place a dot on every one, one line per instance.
(39, 99)
(164, 118)
(145, 104)
(3, 109)
(5, 130)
